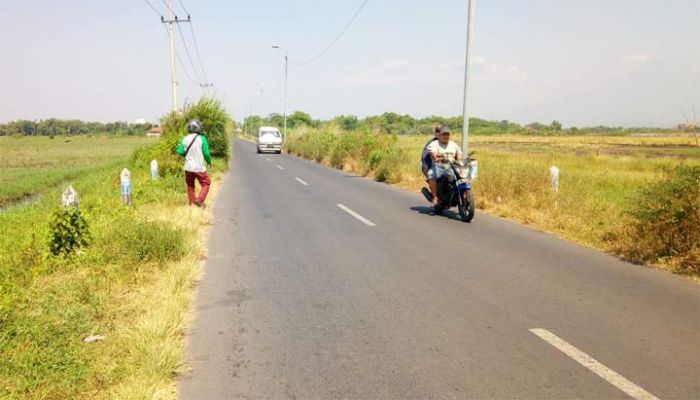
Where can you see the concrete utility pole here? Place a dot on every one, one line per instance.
(286, 68)
(171, 21)
(465, 111)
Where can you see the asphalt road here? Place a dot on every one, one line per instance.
(302, 299)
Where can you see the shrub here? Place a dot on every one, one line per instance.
(391, 166)
(215, 121)
(69, 232)
(346, 145)
(374, 159)
(667, 220)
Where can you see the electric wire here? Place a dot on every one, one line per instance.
(187, 52)
(155, 10)
(196, 45)
(182, 64)
(337, 37)
(199, 56)
(183, 7)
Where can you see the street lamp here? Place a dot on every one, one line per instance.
(286, 64)
(465, 114)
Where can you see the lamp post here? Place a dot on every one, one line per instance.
(286, 64)
(465, 113)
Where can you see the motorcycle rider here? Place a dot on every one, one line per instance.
(443, 152)
(426, 160)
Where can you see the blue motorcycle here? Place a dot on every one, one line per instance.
(455, 189)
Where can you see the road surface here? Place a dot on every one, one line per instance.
(323, 285)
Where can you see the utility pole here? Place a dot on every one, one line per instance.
(251, 119)
(171, 21)
(465, 110)
(286, 69)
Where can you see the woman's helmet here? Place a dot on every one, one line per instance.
(194, 126)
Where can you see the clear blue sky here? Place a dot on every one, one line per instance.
(613, 62)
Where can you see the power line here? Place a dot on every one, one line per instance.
(155, 10)
(182, 63)
(207, 83)
(187, 52)
(337, 37)
(183, 7)
(199, 56)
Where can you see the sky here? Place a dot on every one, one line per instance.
(583, 63)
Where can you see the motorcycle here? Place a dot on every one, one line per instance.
(455, 189)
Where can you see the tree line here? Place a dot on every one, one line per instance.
(390, 122)
(59, 127)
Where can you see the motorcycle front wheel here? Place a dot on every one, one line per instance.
(466, 206)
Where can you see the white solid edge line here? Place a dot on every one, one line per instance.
(301, 181)
(593, 365)
(279, 167)
(356, 215)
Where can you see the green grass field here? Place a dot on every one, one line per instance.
(132, 284)
(600, 184)
(32, 165)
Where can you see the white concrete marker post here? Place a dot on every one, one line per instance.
(154, 170)
(126, 188)
(473, 170)
(554, 177)
(69, 198)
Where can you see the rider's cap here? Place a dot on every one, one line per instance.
(445, 129)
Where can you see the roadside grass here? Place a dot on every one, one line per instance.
(132, 284)
(600, 185)
(31, 165)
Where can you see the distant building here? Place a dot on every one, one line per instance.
(155, 132)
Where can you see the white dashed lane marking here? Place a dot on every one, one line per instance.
(356, 215)
(594, 366)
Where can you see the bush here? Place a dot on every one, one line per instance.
(69, 232)
(374, 159)
(391, 166)
(667, 221)
(215, 122)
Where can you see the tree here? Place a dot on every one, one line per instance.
(555, 125)
(299, 118)
(348, 123)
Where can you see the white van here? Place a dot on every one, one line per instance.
(269, 139)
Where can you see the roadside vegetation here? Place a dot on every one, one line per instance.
(130, 280)
(636, 196)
